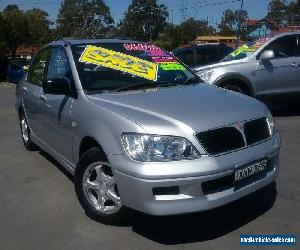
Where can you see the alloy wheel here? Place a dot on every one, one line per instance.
(24, 129)
(100, 188)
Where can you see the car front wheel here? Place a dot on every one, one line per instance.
(236, 88)
(97, 191)
(26, 133)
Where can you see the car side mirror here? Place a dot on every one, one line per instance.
(267, 55)
(56, 86)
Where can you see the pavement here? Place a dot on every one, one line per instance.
(39, 208)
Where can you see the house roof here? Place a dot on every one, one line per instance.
(216, 38)
(289, 28)
(251, 22)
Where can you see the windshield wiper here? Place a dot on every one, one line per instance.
(167, 84)
(96, 91)
(137, 86)
(193, 80)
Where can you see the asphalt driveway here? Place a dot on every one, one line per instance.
(39, 208)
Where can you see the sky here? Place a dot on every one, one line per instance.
(199, 9)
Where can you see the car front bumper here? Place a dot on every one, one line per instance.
(165, 195)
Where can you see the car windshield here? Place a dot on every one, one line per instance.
(122, 66)
(247, 49)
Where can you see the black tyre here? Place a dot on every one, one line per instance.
(26, 133)
(236, 88)
(96, 189)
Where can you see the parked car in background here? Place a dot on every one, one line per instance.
(14, 73)
(200, 55)
(139, 129)
(16, 70)
(268, 69)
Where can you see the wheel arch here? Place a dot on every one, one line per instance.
(89, 142)
(240, 79)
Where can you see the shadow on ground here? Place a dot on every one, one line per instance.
(207, 225)
(198, 227)
(56, 164)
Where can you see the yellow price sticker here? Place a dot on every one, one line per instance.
(119, 61)
(240, 50)
(252, 49)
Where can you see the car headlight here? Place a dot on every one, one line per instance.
(157, 148)
(270, 121)
(205, 75)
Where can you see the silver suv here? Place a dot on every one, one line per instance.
(139, 130)
(268, 69)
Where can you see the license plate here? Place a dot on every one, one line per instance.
(249, 170)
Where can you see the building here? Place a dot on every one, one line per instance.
(229, 40)
(265, 27)
(26, 51)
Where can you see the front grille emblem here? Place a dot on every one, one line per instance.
(240, 127)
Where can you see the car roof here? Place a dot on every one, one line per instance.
(74, 41)
(197, 46)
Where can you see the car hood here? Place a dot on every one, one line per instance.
(199, 107)
(222, 64)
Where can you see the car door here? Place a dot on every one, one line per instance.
(279, 77)
(55, 116)
(31, 90)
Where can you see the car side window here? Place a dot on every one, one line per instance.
(284, 47)
(208, 56)
(36, 73)
(59, 66)
(186, 56)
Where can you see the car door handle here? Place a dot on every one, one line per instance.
(295, 65)
(24, 89)
(43, 98)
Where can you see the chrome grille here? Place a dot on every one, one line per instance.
(226, 139)
(221, 140)
(256, 131)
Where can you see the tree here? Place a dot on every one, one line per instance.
(15, 27)
(170, 38)
(231, 20)
(3, 42)
(38, 27)
(84, 18)
(192, 28)
(144, 20)
(241, 23)
(293, 12)
(186, 32)
(277, 11)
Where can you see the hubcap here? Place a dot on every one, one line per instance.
(100, 188)
(24, 129)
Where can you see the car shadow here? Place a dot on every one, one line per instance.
(285, 110)
(56, 164)
(207, 225)
(196, 227)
